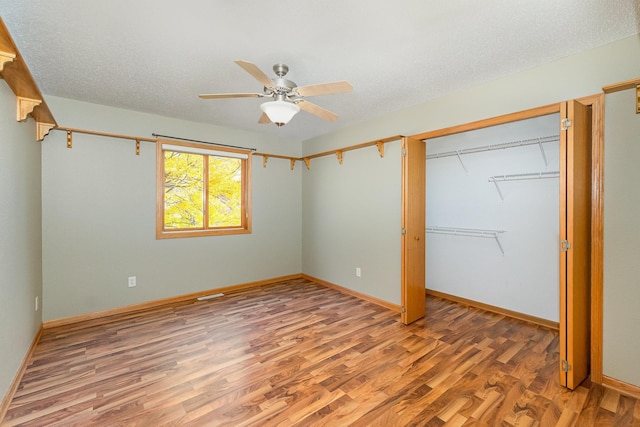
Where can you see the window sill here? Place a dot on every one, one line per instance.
(200, 233)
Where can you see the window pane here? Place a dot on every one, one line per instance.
(183, 190)
(225, 192)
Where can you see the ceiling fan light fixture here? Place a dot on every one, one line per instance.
(280, 112)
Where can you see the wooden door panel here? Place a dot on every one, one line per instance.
(575, 228)
(413, 225)
(563, 254)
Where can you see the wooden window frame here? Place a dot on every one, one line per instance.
(206, 150)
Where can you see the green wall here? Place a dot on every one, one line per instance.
(573, 77)
(621, 350)
(20, 238)
(98, 214)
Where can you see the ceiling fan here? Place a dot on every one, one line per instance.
(288, 98)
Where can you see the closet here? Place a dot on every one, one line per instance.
(492, 203)
(508, 220)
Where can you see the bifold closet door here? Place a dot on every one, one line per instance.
(575, 242)
(413, 229)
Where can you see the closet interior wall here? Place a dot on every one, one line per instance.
(516, 265)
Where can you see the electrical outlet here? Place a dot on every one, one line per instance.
(358, 272)
(37, 303)
(132, 281)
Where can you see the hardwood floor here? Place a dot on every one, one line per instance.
(297, 353)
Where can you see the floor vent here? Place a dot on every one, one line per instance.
(210, 297)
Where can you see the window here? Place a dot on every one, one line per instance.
(201, 190)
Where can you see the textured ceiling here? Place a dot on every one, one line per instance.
(156, 56)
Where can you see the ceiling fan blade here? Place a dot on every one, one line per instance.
(317, 111)
(264, 119)
(325, 88)
(256, 72)
(231, 95)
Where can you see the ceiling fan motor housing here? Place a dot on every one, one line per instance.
(281, 70)
(282, 85)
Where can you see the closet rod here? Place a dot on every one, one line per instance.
(491, 147)
(468, 232)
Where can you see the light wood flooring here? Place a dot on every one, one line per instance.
(298, 353)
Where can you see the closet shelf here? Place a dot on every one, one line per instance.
(502, 146)
(521, 176)
(468, 232)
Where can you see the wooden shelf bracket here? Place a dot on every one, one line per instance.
(6, 57)
(265, 159)
(69, 139)
(293, 163)
(307, 162)
(25, 106)
(42, 130)
(380, 145)
(137, 147)
(16, 74)
(339, 156)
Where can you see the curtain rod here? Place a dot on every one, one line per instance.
(203, 142)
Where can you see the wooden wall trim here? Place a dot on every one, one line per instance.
(621, 387)
(165, 301)
(374, 300)
(355, 147)
(617, 87)
(106, 134)
(338, 151)
(6, 401)
(493, 309)
(275, 156)
(306, 159)
(493, 121)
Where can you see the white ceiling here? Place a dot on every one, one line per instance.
(156, 56)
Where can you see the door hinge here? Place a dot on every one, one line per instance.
(564, 365)
(404, 152)
(404, 231)
(404, 309)
(565, 245)
(566, 123)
